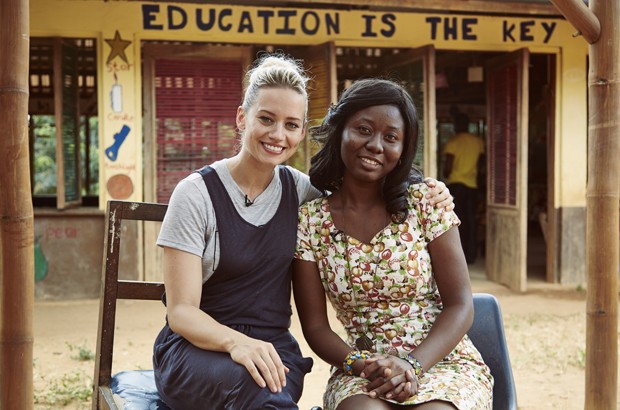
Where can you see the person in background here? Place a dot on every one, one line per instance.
(463, 161)
(390, 263)
(229, 236)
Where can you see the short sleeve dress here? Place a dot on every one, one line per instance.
(386, 290)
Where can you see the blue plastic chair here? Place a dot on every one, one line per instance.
(487, 334)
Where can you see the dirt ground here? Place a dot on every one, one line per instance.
(545, 330)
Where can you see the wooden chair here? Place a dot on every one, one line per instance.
(132, 386)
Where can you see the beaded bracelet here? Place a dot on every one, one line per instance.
(417, 366)
(347, 363)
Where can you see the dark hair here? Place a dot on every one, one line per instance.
(327, 168)
(461, 122)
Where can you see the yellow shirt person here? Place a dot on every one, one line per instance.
(465, 149)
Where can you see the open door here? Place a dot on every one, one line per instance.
(416, 68)
(320, 62)
(507, 112)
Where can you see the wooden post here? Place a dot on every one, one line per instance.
(16, 214)
(602, 204)
(603, 195)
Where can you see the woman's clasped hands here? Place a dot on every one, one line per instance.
(390, 377)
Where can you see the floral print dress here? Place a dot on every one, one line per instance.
(385, 289)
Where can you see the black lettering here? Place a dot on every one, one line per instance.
(286, 14)
(220, 20)
(468, 29)
(305, 24)
(332, 24)
(526, 27)
(265, 15)
(388, 20)
(449, 28)
(172, 10)
(202, 25)
(245, 22)
(549, 28)
(508, 29)
(368, 32)
(149, 14)
(434, 21)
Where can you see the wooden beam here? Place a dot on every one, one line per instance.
(437, 6)
(16, 213)
(602, 201)
(581, 17)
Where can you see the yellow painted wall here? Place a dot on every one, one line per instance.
(116, 22)
(571, 145)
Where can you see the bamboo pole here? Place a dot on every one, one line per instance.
(603, 195)
(16, 213)
(602, 204)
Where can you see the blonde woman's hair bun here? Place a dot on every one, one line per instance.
(275, 70)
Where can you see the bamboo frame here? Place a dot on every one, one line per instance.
(603, 196)
(16, 213)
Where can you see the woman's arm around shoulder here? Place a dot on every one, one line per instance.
(439, 194)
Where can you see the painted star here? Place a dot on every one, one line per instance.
(118, 46)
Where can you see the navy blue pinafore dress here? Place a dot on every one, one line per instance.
(250, 292)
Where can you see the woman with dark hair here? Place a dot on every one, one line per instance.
(391, 265)
(328, 166)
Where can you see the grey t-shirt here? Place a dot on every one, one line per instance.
(190, 223)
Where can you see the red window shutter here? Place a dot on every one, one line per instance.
(196, 102)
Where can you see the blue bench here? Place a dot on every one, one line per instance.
(135, 389)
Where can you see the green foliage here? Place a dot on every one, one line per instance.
(580, 358)
(71, 387)
(92, 144)
(83, 353)
(44, 155)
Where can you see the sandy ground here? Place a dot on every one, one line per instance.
(545, 330)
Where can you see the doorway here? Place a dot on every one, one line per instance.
(462, 86)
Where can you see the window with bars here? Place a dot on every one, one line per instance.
(63, 122)
(196, 102)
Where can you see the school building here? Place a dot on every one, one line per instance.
(127, 97)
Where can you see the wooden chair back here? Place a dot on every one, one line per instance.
(113, 289)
